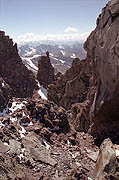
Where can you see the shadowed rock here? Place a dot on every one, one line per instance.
(45, 71)
(17, 79)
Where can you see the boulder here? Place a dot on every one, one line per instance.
(37, 151)
(106, 162)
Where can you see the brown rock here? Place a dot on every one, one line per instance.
(102, 48)
(80, 116)
(45, 71)
(72, 86)
(56, 122)
(25, 120)
(15, 78)
(106, 162)
(38, 152)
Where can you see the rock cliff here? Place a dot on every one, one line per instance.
(102, 47)
(71, 87)
(94, 83)
(45, 71)
(13, 73)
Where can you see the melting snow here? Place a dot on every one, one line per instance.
(55, 59)
(42, 92)
(15, 106)
(3, 84)
(62, 61)
(29, 53)
(47, 145)
(30, 63)
(73, 56)
(117, 152)
(13, 119)
(89, 178)
(63, 53)
(22, 154)
(5, 143)
(51, 54)
(22, 132)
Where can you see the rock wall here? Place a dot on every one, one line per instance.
(72, 86)
(102, 47)
(18, 78)
(45, 71)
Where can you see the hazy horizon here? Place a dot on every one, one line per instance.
(36, 20)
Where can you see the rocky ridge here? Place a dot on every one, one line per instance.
(16, 79)
(72, 86)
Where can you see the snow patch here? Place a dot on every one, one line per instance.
(42, 91)
(89, 178)
(22, 132)
(3, 84)
(47, 145)
(31, 52)
(5, 143)
(21, 156)
(55, 59)
(15, 106)
(73, 56)
(51, 54)
(30, 63)
(117, 152)
(62, 61)
(63, 53)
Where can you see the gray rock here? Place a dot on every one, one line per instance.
(15, 147)
(106, 162)
(37, 151)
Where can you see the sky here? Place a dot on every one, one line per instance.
(28, 20)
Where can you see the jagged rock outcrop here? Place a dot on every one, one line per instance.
(71, 87)
(44, 146)
(45, 71)
(102, 48)
(15, 75)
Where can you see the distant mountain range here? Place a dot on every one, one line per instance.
(61, 55)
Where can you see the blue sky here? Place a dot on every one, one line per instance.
(42, 18)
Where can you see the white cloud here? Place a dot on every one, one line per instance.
(71, 30)
(31, 37)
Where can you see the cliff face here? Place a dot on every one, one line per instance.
(72, 86)
(102, 47)
(45, 71)
(15, 75)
